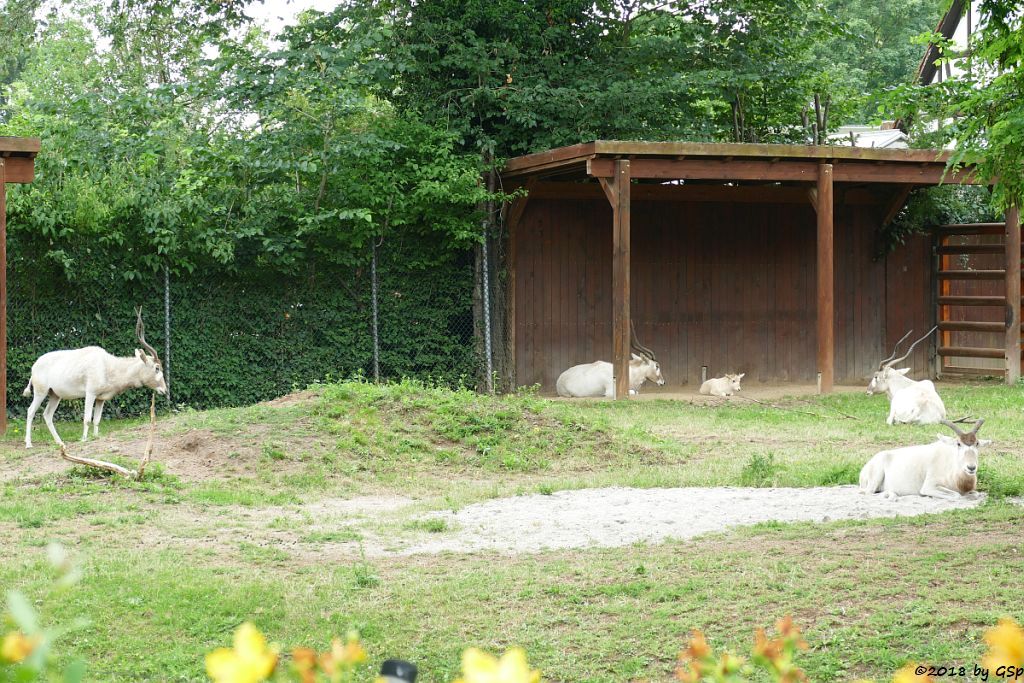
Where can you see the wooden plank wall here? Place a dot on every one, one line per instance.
(909, 303)
(730, 286)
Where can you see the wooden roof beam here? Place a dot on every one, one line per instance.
(699, 192)
(897, 203)
(763, 170)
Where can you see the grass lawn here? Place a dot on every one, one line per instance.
(284, 513)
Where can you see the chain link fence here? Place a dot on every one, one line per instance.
(229, 339)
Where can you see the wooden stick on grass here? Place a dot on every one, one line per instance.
(100, 464)
(152, 434)
(777, 407)
(111, 467)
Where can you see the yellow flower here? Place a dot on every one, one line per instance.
(908, 675)
(250, 661)
(1005, 645)
(480, 667)
(17, 646)
(343, 655)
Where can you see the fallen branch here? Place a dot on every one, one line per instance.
(846, 415)
(111, 467)
(100, 464)
(792, 410)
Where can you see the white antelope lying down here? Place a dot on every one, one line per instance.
(947, 468)
(722, 386)
(93, 374)
(909, 401)
(595, 379)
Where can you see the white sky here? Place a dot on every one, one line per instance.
(275, 14)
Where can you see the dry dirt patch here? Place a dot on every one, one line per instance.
(620, 516)
(196, 455)
(585, 518)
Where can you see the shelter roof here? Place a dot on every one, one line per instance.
(738, 161)
(19, 147)
(19, 158)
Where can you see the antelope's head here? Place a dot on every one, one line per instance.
(967, 445)
(886, 373)
(153, 369)
(643, 355)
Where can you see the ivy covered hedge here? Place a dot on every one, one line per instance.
(239, 339)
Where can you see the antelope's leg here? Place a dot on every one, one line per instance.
(51, 408)
(37, 400)
(90, 398)
(97, 414)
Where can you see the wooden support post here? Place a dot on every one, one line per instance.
(1012, 294)
(826, 280)
(513, 215)
(3, 296)
(620, 278)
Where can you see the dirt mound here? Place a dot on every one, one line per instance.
(193, 455)
(296, 398)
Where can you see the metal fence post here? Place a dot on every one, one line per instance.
(373, 307)
(488, 341)
(167, 332)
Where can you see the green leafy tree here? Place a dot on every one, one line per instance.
(874, 50)
(18, 27)
(989, 113)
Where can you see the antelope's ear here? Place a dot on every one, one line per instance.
(947, 439)
(138, 354)
(635, 357)
(903, 371)
(984, 442)
(741, 375)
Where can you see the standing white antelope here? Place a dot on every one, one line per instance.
(909, 401)
(595, 379)
(93, 374)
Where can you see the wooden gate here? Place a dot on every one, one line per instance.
(972, 312)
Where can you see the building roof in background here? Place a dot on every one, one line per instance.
(947, 27)
(869, 136)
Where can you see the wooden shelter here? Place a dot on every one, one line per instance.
(728, 257)
(17, 165)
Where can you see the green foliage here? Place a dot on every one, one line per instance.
(760, 470)
(990, 129)
(269, 161)
(238, 341)
(874, 50)
(523, 77)
(979, 110)
(17, 20)
(931, 206)
(27, 644)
